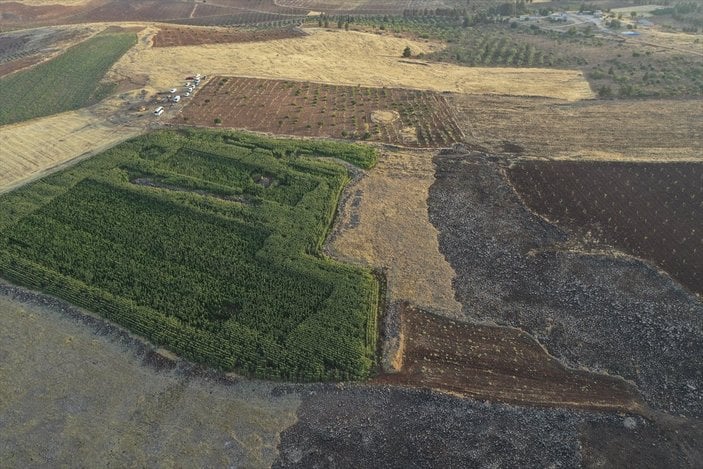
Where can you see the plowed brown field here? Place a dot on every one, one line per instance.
(505, 364)
(412, 118)
(650, 210)
(170, 37)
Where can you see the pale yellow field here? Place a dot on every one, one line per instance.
(346, 58)
(385, 224)
(31, 149)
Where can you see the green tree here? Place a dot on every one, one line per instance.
(407, 52)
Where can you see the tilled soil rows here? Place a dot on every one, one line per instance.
(407, 117)
(170, 37)
(498, 363)
(653, 211)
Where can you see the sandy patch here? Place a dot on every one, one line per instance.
(384, 223)
(344, 57)
(384, 117)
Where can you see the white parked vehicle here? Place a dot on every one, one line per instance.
(158, 111)
(172, 90)
(176, 98)
(187, 94)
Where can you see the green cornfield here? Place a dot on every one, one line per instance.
(206, 243)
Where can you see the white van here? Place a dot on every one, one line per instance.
(176, 99)
(158, 111)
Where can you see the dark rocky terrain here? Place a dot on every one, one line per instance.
(591, 308)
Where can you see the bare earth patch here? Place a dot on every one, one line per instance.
(499, 363)
(384, 223)
(345, 58)
(319, 110)
(384, 117)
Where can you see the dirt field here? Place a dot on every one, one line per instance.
(498, 363)
(340, 57)
(170, 37)
(590, 309)
(382, 222)
(653, 211)
(642, 130)
(411, 118)
(31, 149)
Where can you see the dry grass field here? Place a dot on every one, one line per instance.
(31, 149)
(384, 224)
(642, 130)
(339, 57)
(81, 391)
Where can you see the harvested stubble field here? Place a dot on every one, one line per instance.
(643, 130)
(79, 390)
(31, 149)
(383, 223)
(175, 36)
(505, 364)
(390, 115)
(346, 58)
(651, 210)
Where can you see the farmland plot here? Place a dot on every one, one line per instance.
(391, 115)
(349, 58)
(638, 130)
(653, 211)
(499, 363)
(30, 149)
(67, 82)
(172, 36)
(206, 243)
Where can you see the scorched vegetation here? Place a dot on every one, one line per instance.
(205, 243)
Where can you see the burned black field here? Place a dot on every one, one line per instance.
(613, 314)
